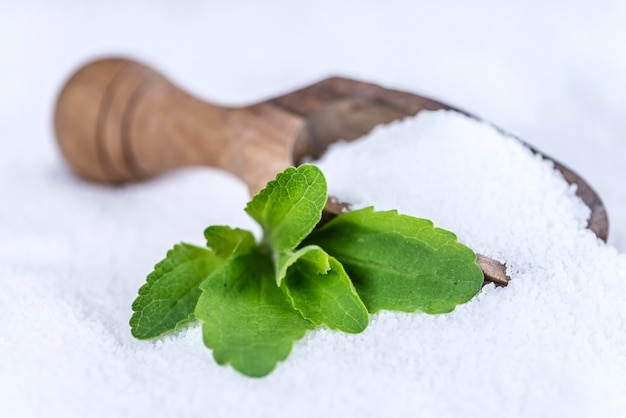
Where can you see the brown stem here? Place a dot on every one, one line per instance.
(493, 270)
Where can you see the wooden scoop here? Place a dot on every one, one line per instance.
(118, 121)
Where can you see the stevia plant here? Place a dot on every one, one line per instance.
(255, 299)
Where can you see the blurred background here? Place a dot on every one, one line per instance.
(549, 72)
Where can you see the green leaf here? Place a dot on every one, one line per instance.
(402, 263)
(314, 256)
(247, 320)
(290, 206)
(322, 292)
(168, 298)
(229, 242)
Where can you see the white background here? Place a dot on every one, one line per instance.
(71, 253)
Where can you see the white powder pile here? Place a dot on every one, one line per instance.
(557, 333)
(493, 192)
(550, 344)
(73, 254)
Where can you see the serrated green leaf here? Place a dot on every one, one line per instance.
(168, 298)
(322, 292)
(247, 320)
(399, 262)
(229, 242)
(290, 206)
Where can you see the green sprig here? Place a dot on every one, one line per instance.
(256, 299)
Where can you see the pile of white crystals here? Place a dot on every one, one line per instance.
(498, 197)
(556, 335)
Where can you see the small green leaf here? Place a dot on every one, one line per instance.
(168, 298)
(322, 292)
(229, 242)
(314, 256)
(247, 320)
(401, 263)
(290, 206)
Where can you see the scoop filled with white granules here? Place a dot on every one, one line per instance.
(464, 175)
(558, 331)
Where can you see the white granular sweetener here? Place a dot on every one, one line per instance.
(549, 344)
(559, 326)
(491, 190)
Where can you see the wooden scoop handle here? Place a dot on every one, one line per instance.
(117, 120)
